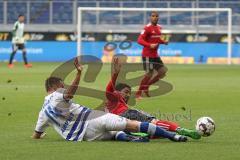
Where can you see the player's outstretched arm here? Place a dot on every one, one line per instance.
(116, 70)
(111, 85)
(71, 90)
(116, 65)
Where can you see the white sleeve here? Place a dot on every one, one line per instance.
(42, 122)
(58, 95)
(15, 26)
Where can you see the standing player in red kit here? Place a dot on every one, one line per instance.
(150, 38)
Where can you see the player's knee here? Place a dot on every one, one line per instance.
(162, 72)
(132, 126)
(149, 74)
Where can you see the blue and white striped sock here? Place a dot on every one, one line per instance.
(155, 131)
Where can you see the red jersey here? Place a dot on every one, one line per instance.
(150, 35)
(115, 102)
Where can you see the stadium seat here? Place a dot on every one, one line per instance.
(62, 12)
(133, 17)
(109, 17)
(184, 18)
(235, 12)
(14, 9)
(1, 12)
(88, 17)
(39, 12)
(207, 18)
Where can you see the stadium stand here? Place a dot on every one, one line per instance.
(39, 12)
(63, 12)
(14, 9)
(1, 12)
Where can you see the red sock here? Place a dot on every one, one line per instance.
(168, 125)
(143, 83)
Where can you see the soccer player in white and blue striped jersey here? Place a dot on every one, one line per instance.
(75, 122)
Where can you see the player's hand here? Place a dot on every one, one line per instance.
(153, 46)
(38, 135)
(77, 65)
(17, 39)
(116, 65)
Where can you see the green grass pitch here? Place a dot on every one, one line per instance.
(202, 89)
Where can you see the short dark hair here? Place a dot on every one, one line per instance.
(153, 12)
(121, 86)
(51, 81)
(20, 15)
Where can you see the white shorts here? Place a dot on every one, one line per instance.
(103, 126)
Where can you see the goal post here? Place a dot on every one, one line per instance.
(98, 9)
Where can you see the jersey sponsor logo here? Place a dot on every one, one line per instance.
(156, 36)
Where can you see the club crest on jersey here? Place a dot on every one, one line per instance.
(142, 32)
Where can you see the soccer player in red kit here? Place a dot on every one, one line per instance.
(150, 39)
(117, 99)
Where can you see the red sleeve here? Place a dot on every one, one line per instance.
(161, 41)
(111, 88)
(142, 38)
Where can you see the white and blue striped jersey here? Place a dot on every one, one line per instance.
(66, 117)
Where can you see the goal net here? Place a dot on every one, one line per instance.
(195, 35)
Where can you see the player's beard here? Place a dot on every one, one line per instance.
(126, 99)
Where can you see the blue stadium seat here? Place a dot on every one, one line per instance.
(109, 4)
(1, 12)
(207, 18)
(181, 18)
(109, 17)
(88, 17)
(235, 13)
(14, 9)
(86, 4)
(62, 13)
(133, 17)
(133, 4)
(39, 12)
